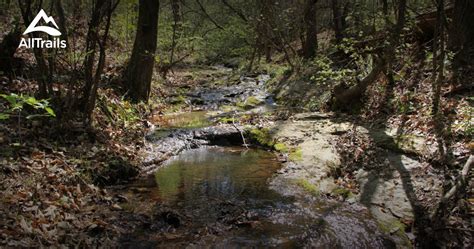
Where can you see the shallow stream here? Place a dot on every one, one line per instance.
(221, 196)
(226, 197)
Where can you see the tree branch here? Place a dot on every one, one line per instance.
(208, 16)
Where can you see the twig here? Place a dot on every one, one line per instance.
(241, 133)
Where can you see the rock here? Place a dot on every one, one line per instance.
(405, 143)
(327, 185)
(313, 116)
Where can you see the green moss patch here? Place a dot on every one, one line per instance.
(343, 192)
(281, 147)
(307, 186)
(296, 155)
(262, 136)
(249, 103)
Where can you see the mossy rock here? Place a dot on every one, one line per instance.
(262, 137)
(343, 192)
(249, 103)
(307, 186)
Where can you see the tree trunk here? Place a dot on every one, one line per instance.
(438, 77)
(26, 8)
(337, 21)
(347, 98)
(462, 40)
(311, 43)
(175, 6)
(8, 48)
(91, 49)
(140, 68)
(101, 62)
(62, 19)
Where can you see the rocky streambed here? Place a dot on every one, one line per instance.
(201, 185)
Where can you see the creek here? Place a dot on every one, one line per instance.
(209, 195)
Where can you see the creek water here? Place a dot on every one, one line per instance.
(224, 200)
(227, 197)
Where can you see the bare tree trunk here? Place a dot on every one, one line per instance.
(337, 21)
(344, 98)
(176, 26)
(311, 43)
(91, 48)
(8, 47)
(462, 40)
(268, 53)
(43, 84)
(62, 19)
(438, 77)
(101, 63)
(140, 68)
(252, 58)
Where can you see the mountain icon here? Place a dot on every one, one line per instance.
(46, 29)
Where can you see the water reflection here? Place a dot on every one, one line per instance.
(196, 179)
(229, 187)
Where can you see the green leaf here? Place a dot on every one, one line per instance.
(4, 116)
(50, 111)
(12, 98)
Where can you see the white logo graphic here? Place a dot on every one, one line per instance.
(39, 42)
(46, 29)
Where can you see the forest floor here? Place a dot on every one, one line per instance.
(50, 196)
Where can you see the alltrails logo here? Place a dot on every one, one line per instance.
(40, 42)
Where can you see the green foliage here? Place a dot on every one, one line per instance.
(17, 104)
(325, 72)
(123, 25)
(120, 112)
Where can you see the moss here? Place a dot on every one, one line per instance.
(252, 101)
(226, 120)
(249, 103)
(394, 226)
(281, 147)
(390, 226)
(262, 136)
(343, 192)
(296, 155)
(307, 186)
(178, 100)
(228, 108)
